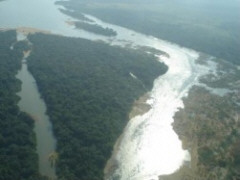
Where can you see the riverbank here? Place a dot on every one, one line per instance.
(209, 127)
(139, 108)
(26, 30)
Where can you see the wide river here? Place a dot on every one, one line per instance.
(149, 147)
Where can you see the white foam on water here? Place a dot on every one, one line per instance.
(149, 147)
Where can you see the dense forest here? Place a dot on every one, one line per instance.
(211, 27)
(89, 93)
(18, 158)
(94, 28)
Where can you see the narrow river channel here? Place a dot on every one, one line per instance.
(32, 103)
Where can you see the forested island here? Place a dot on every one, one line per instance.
(89, 92)
(86, 25)
(94, 28)
(18, 158)
(77, 13)
(211, 27)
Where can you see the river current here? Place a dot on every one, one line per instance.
(148, 147)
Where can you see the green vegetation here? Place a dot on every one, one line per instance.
(94, 28)
(89, 92)
(209, 128)
(18, 158)
(211, 27)
(153, 51)
(75, 13)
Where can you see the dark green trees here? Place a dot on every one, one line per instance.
(95, 29)
(89, 92)
(18, 159)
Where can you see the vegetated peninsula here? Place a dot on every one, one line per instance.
(94, 28)
(18, 157)
(89, 90)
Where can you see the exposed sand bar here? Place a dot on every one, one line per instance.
(26, 30)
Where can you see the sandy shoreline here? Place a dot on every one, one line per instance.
(70, 23)
(26, 30)
(139, 107)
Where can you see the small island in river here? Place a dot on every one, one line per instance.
(94, 28)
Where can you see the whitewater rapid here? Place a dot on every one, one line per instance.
(148, 147)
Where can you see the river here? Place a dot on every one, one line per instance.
(33, 104)
(148, 147)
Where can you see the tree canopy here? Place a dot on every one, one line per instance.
(89, 93)
(18, 158)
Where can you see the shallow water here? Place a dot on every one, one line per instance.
(149, 147)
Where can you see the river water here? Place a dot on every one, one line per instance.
(32, 104)
(148, 147)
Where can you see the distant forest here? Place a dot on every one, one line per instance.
(18, 158)
(89, 93)
(211, 27)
